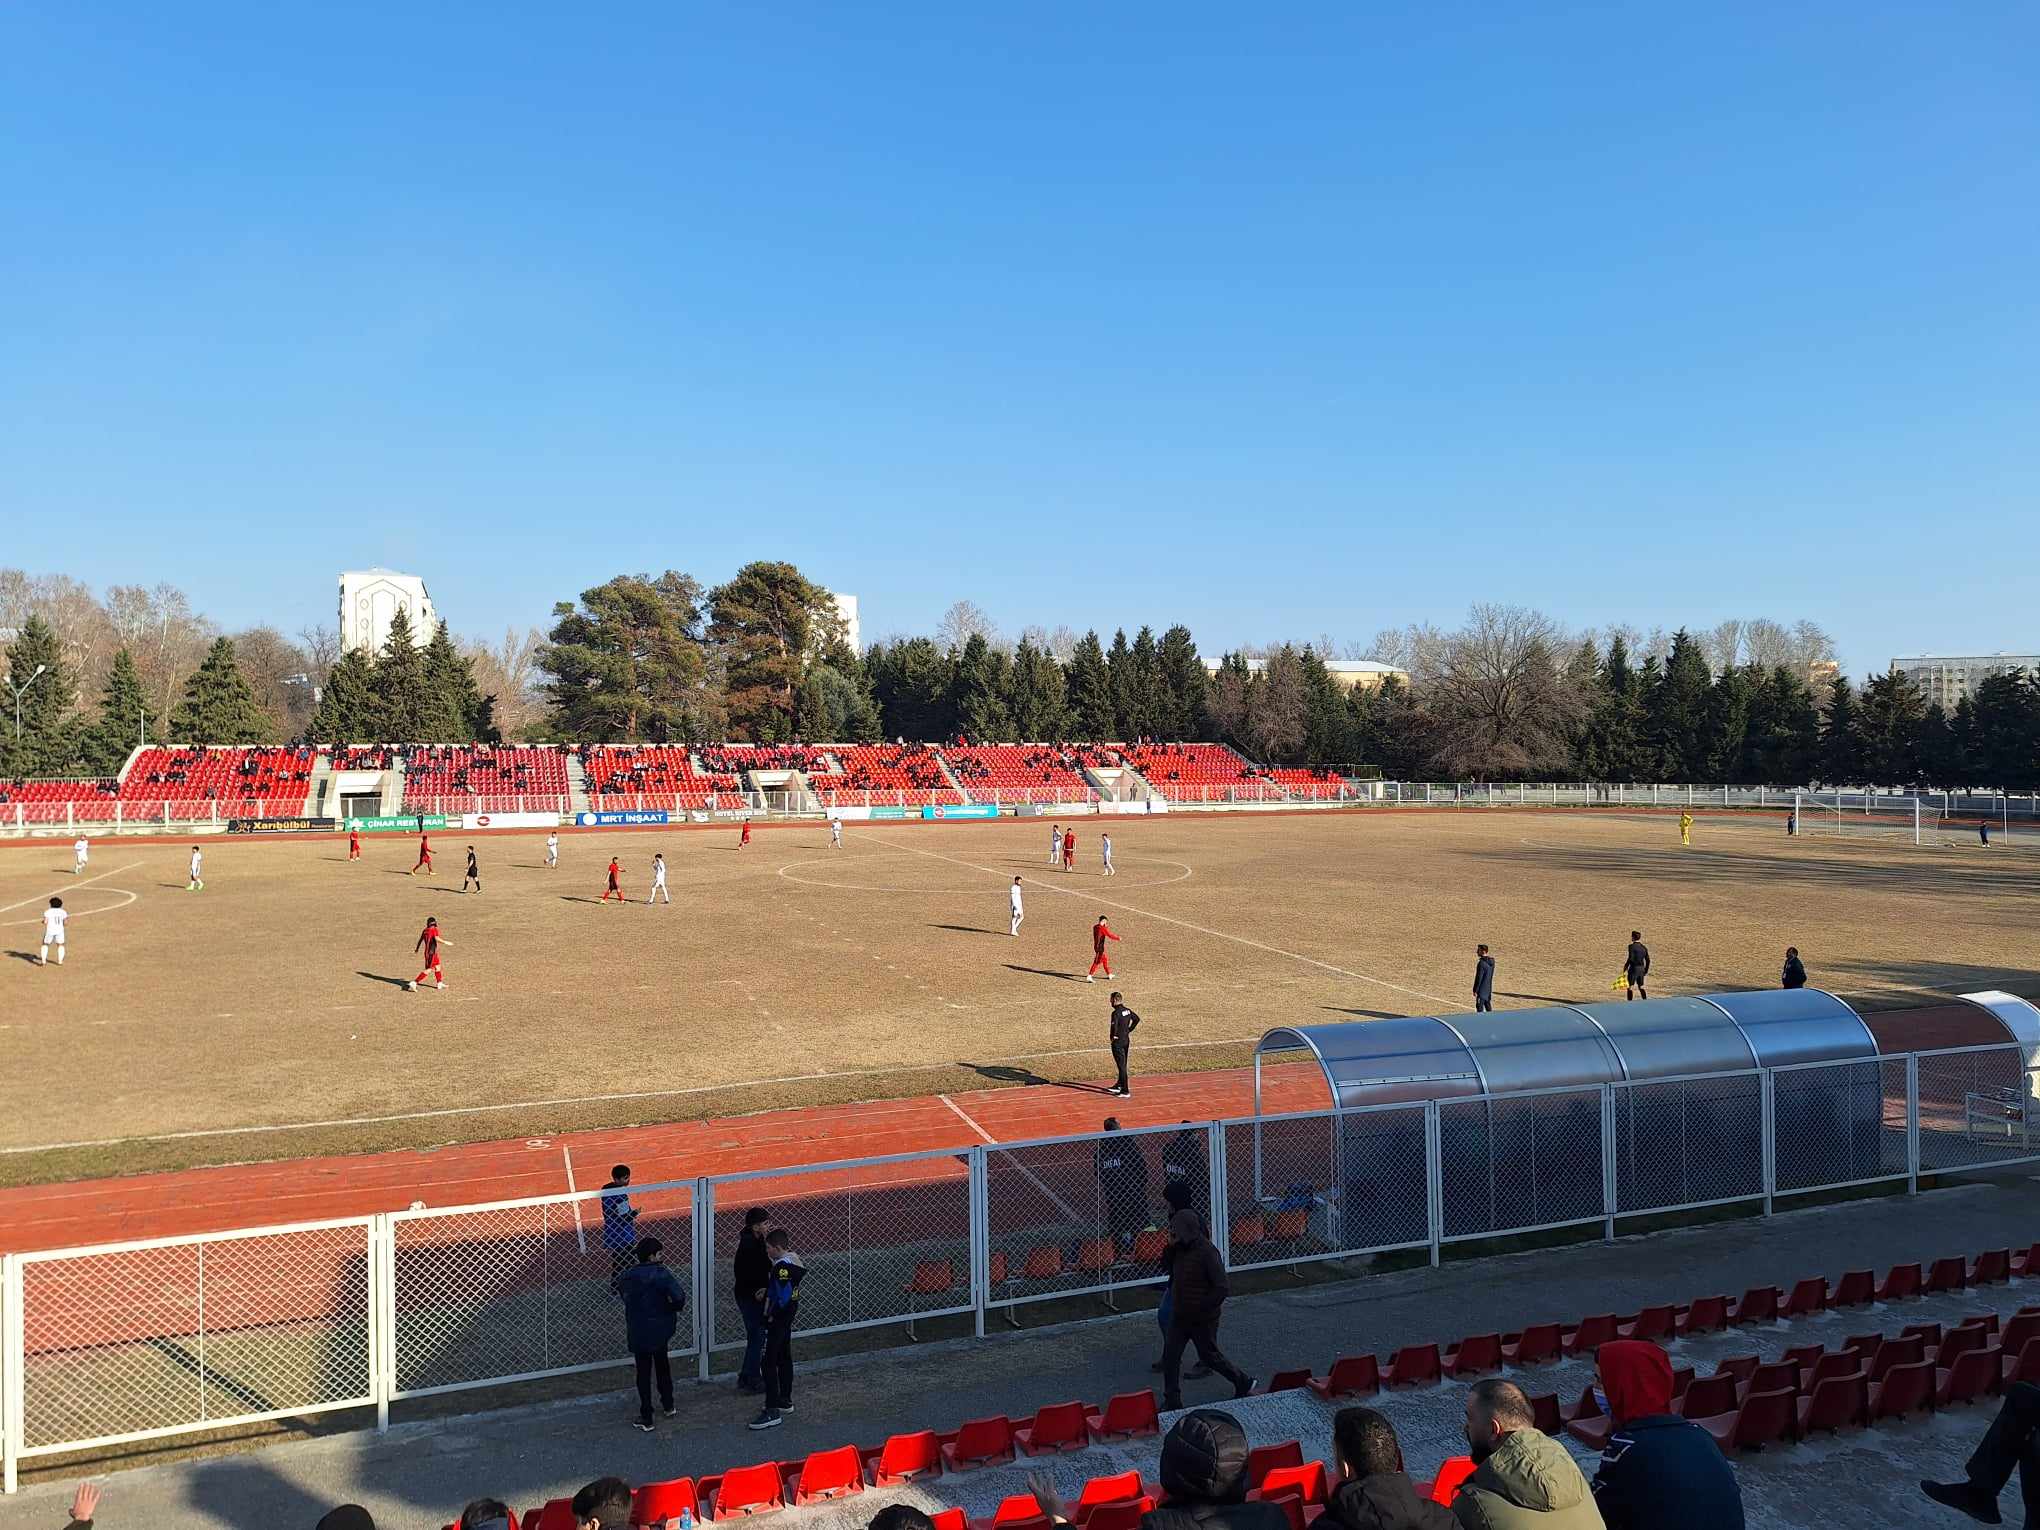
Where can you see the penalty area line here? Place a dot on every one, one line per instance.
(55, 892)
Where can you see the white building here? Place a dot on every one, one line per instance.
(1347, 674)
(846, 607)
(369, 598)
(1948, 679)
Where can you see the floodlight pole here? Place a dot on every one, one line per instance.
(21, 691)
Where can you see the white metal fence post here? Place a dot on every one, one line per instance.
(980, 1238)
(1434, 1178)
(1609, 1179)
(382, 1316)
(12, 1429)
(1221, 1199)
(704, 1274)
(1912, 1123)
(1767, 1126)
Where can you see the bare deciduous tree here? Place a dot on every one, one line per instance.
(964, 621)
(509, 672)
(1501, 704)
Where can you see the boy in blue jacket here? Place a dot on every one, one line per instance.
(782, 1310)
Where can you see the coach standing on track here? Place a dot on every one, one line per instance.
(1124, 1023)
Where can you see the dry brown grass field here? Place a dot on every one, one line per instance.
(790, 973)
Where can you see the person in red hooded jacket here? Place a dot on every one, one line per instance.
(1660, 1471)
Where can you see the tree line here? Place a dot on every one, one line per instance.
(763, 657)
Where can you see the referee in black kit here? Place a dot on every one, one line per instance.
(1124, 1023)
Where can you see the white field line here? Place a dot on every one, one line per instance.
(1076, 1219)
(79, 913)
(58, 892)
(1128, 908)
(587, 1099)
(580, 1236)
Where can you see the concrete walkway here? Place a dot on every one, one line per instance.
(421, 1472)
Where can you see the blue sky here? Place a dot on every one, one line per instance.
(1276, 320)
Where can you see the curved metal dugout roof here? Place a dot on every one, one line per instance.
(1434, 1057)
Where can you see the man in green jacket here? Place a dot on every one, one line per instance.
(1524, 1479)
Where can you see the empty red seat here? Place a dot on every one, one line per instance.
(1535, 1344)
(1902, 1282)
(1993, 1266)
(1741, 1367)
(2018, 1331)
(824, 1475)
(1970, 1337)
(932, 1277)
(1055, 1427)
(1854, 1289)
(1804, 1356)
(659, 1505)
(1896, 1352)
(904, 1457)
(1709, 1397)
(1928, 1334)
(1350, 1376)
(1306, 1482)
(1125, 1417)
(1838, 1402)
(1263, 1459)
(1592, 1432)
(1589, 1406)
(1649, 1323)
(1808, 1296)
(1707, 1315)
(1904, 1389)
(1844, 1362)
(1544, 1413)
(1121, 1487)
(1288, 1381)
(744, 1491)
(1773, 1376)
(2023, 1264)
(1759, 1304)
(1474, 1354)
(1950, 1274)
(2026, 1366)
(1096, 1255)
(1763, 1419)
(1591, 1334)
(949, 1519)
(1414, 1365)
(980, 1442)
(1973, 1374)
(1014, 1512)
(1044, 1263)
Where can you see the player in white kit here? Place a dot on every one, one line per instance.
(658, 880)
(52, 932)
(197, 882)
(1054, 845)
(1019, 909)
(552, 851)
(81, 852)
(1105, 847)
(835, 833)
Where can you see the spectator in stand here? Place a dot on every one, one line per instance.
(652, 1303)
(1198, 1289)
(751, 1270)
(1523, 1479)
(1371, 1491)
(1660, 1471)
(1204, 1473)
(2011, 1443)
(484, 1514)
(1793, 974)
(85, 1502)
(603, 1504)
(619, 1224)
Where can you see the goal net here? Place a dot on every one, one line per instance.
(1869, 815)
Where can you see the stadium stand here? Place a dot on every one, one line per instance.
(221, 773)
(909, 774)
(1018, 772)
(735, 759)
(23, 790)
(437, 773)
(652, 776)
(1189, 772)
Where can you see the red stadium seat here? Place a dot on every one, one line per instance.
(1808, 1296)
(1474, 1355)
(824, 1475)
(1650, 1323)
(1741, 1367)
(1015, 1511)
(1709, 1397)
(744, 1491)
(1950, 1274)
(558, 1514)
(1905, 1389)
(1263, 1459)
(1125, 1417)
(1306, 1482)
(1544, 1413)
(1414, 1365)
(1773, 1376)
(2023, 1264)
(1446, 1484)
(1763, 1419)
(1592, 1333)
(659, 1505)
(1836, 1403)
(1055, 1427)
(1098, 1492)
(1288, 1381)
(981, 1442)
(904, 1458)
(1902, 1282)
(1855, 1289)
(1535, 1344)
(1759, 1304)
(1350, 1376)
(949, 1519)
(1708, 1314)
(1896, 1352)
(1123, 1515)
(1592, 1432)
(1972, 1375)
(1993, 1267)
(1830, 1365)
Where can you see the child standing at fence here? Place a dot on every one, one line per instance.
(782, 1310)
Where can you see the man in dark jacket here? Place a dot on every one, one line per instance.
(1204, 1473)
(1483, 980)
(1124, 1023)
(1793, 975)
(1636, 967)
(1122, 1183)
(619, 1224)
(782, 1311)
(1183, 1161)
(1373, 1492)
(1659, 1472)
(752, 1267)
(652, 1303)
(1197, 1292)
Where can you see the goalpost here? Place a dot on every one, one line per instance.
(1860, 814)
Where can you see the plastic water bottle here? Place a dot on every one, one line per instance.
(686, 1519)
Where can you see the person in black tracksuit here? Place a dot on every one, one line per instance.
(1793, 973)
(782, 1311)
(1483, 980)
(751, 1273)
(1124, 1023)
(1197, 1291)
(474, 872)
(1636, 967)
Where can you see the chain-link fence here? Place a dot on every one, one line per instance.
(1326, 1185)
(1688, 1142)
(1518, 1163)
(884, 1240)
(136, 1340)
(1976, 1108)
(526, 1288)
(1840, 1123)
(1080, 1214)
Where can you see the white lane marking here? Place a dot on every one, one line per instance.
(567, 1158)
(965, 1117)
(1128, 908)
(1076, 1217)
(58, 892)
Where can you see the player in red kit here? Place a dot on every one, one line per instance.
(354, 844)
(1070, 851)
(1100, 933)
(424, 855)
(744, 838)
(429, 943)
(615, 888)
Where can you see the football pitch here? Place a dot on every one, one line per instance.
(266, 1016)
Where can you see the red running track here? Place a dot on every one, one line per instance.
(309, 1189)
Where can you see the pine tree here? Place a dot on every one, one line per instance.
(1119, 671)
(43, 734)
(910, 680)
(349, 712)
(1093, 716)
(1034, 695)
(1676, 711)
(402, 702)
(1841, 752)
(1327, 737)
(980, 687)
(1150, 711)
(1616, 723)
(123, 721)
(453, 703)
(1184, 685)
(219, 707)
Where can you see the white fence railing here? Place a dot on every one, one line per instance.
(135, 1341)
